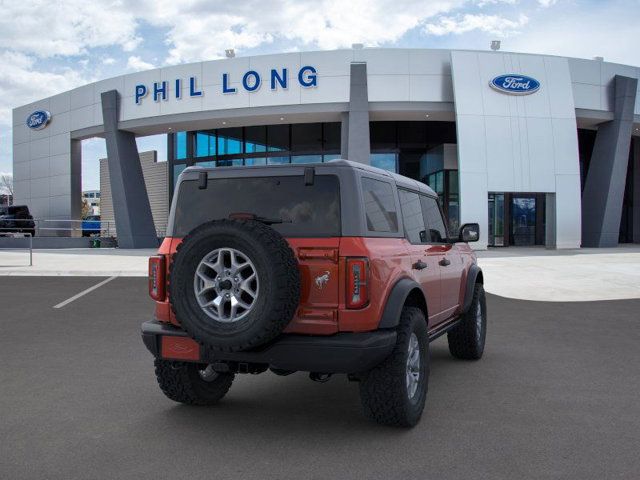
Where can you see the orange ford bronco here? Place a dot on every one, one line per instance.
(325, 268)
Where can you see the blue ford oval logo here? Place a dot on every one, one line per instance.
(515, 84)
(38, 119)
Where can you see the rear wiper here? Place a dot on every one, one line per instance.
(253, 216)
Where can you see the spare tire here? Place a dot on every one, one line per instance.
(234, 284)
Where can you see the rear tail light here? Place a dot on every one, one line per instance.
(157, 278)
(357, 282)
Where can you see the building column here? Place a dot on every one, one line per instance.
(550, 223)
(134, 222)
(604, 187)
(635, 205)
(355, 143)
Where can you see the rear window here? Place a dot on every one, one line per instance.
(306, 210)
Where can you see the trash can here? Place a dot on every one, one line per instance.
(95, 243)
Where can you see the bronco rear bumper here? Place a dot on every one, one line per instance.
(339, 353)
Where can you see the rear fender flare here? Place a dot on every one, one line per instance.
(397, 300)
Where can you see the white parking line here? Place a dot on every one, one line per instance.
(84, 292)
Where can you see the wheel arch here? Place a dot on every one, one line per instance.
(474, 276)
(406, 292)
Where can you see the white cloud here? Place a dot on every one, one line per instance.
(492, 24)
(136, 63)
(607, 33)
(325, 24)
(46, 28)
(547, 3)
(108, 61)
(483, 3)
(21, 83)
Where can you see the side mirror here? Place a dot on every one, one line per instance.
(469, 232)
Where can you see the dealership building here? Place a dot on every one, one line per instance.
(539, 150)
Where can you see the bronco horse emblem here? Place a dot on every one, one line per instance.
(321, 280)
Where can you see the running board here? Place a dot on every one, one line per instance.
(443, 328)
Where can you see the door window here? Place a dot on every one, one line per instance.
(412, 216)
(437, 233)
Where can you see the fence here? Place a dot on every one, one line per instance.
(61, 228)
(22, 235)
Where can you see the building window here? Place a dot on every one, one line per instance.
(306, 158)
(207, 164)
(255, 145)
(277, 160)
(230, 141)
(385, 161)
(235, 162)
(332, 156)
(248, 162)
(205, 144)
(331, 137)
(278, 138)
(255, 139)
(180, 150)
(306, 137)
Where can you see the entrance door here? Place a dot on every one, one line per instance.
(523, 220)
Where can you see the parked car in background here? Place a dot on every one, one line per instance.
(17, 219)
(91, 225)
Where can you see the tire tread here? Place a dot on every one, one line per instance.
(176, 383)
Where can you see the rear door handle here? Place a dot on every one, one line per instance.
(444, 262)
(419, 265)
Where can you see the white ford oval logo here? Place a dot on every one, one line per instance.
(515, 84)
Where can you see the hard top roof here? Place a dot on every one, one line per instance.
(400, 180)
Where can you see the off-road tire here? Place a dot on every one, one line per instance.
(383, 390)
(181, 382)
(466, 340)
(277, 270)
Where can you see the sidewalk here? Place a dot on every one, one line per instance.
(532, 273)
(521, 273)
(89, 262)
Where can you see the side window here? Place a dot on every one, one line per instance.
(379, 205)
(412, 216)
(437, 233)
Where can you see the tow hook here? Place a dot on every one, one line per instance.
(320, 377)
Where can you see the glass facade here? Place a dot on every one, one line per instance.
(399, 147)
(256, 145)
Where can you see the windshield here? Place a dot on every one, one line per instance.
(303, 210)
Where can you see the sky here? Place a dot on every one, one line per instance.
(50, 47)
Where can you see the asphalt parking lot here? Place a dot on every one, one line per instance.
(556, 396)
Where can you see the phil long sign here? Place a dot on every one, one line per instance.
(515, 84)
(251, 81)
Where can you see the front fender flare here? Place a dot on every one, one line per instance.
(472, 278)
(396, 300)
